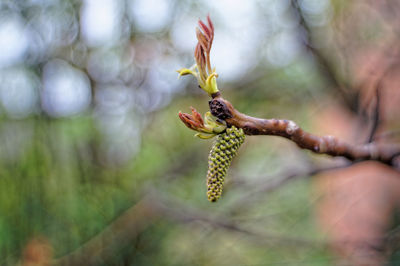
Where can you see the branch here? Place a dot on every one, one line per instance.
(126, 228)
(118, 234)
(327, 69)
(121, 232)
(385, 153)
(376, 119)
(247, 198)
(174, 210)
(377, 116)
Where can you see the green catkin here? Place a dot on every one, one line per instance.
(220, 158)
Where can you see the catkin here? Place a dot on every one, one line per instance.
(220, 158)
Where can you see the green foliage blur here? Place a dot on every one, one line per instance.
(89, 124)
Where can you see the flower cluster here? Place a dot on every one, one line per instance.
(220, 158)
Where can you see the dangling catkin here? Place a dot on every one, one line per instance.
(220, 158)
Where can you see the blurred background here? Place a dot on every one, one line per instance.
(90, 135)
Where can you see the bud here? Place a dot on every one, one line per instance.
(220, 158)
(202, 70)
(208, 127)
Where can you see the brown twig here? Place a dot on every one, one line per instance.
(376, 115)
(329, 145)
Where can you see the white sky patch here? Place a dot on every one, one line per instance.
(66, 90)
(13, 40)
(162, 79)
(183, 33)
(236, 37)
(228, 57)
(276, 7)
(232, 18)
(234, 14)
(314, 7)
(115, 100)
(283, 49)
(150, 15)
(122, 136)
(121, 126)
(19, 91)
(100, 21)
(104, 65)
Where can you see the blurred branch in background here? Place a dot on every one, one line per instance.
(326, 66)
(267, 185)
(153, 207)
(123, 231)
(95, 167)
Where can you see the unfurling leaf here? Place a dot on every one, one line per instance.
(208, 128)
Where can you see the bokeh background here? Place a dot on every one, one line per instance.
(89, 99)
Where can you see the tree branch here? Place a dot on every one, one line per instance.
(155, 206)
(376, 119)
(329, 145)
(124, 229)
(248, 198)
(118, 234)
(326, 68)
